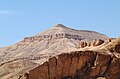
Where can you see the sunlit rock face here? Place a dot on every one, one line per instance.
(78, 65)
(57, 44)
(94, 64)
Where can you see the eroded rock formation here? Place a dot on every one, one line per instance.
(81, 64)
(97, 42)
(94, 43)
(35, 50)
(55, 36)
(78, 65)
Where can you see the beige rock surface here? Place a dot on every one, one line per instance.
(80, 65)
(39, 48)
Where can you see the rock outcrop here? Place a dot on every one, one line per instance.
(78, 65)
(97, 42)
(94, 43)
(55, 36)
(117, 48)
(39, 48)
(81, 64)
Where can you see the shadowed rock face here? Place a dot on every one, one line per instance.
(117, 48)
(78, 65)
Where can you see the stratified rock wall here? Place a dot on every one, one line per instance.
(55, 36)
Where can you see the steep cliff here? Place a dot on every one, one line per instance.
(81, 65)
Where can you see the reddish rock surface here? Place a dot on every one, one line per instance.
(117, 48)
(78, 65)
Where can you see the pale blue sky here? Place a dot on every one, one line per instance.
(21, 18)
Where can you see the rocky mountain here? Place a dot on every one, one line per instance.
(102, 63)
(32, 52)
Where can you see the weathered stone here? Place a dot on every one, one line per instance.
(97, 42)
(100, 65)
(41, 72)
(55, 36)
(52, 68)
(83, 44)
(78, 65)
(113, 71)
(117, 48)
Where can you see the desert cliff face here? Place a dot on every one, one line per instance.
(78, 65)
(62, 53)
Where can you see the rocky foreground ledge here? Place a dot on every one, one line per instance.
(81, 65)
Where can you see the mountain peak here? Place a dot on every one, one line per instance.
(60, 25)
(60, 31)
